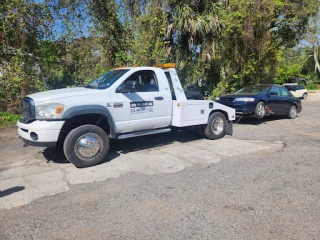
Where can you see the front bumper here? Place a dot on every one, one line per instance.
(40, 133)
(241, 107)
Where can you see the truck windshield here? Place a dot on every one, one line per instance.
(107, 79)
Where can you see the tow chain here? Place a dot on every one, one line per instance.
(239, 119)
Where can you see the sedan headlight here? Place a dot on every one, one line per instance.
(244, 99)
(51, 110)
(217, 98)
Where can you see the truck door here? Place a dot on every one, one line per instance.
(140, 109)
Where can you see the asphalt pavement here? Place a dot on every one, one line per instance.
(261, 183)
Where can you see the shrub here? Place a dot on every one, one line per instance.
(311, 86)
(8, 118)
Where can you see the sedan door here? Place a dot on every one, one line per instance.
(287, 99)
(274, 100)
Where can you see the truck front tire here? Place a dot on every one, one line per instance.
(216, 127)
(86, 146)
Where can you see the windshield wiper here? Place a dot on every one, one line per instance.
(89, 86)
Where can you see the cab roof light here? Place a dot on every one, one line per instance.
(120, 67)
(166, 65)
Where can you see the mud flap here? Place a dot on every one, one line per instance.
(229, 128)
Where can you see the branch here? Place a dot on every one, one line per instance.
(14, 51)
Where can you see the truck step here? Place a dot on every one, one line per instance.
(142, 133)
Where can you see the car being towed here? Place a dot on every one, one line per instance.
(262, 100)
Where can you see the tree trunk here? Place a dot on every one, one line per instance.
(316, 60)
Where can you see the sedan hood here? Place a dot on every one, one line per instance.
(239, 95)
(62, 93)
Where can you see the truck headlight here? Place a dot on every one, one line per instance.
(51, 110)
(244, 99)
(217, 98)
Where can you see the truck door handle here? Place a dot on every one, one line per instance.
(158, 98)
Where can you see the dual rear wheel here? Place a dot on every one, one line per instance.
(215, 128)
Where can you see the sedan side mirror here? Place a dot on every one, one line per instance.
(273, 93)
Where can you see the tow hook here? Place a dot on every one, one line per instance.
(268, 109)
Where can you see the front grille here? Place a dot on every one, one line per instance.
(227, 99)
(28, 109)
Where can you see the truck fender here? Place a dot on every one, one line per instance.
(92, 109)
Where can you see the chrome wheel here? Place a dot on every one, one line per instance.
(88, 146)
(261, 110)
(304, 96)
(217, 125)
(293, 112)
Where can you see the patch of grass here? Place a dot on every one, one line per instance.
(7, 119)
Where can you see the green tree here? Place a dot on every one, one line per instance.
(22, 24)
(253, 33)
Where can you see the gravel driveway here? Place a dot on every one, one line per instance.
(261, 183)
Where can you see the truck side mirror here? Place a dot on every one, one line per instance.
(130, 86)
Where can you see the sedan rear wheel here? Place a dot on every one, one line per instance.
(293, 112)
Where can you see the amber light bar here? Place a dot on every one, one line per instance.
(166, 65)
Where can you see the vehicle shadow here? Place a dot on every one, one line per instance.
(146, 142)
(55, 155)
(10, 191)
(247, 120)
(125, 146)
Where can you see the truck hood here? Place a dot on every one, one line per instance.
(62, 93)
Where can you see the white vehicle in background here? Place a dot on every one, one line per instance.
(296, 90)
(122, 103)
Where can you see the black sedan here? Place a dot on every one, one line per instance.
(262, 100)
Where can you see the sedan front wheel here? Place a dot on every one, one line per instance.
(260, 111)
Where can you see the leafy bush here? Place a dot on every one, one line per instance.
(311, 86)
(285, 72)
(8, 118)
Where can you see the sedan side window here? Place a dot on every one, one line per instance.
(275, 91)
(285, 92)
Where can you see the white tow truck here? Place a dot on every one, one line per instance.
(122, 103)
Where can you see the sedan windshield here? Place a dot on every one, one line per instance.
(257, 89)
(107, 79)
